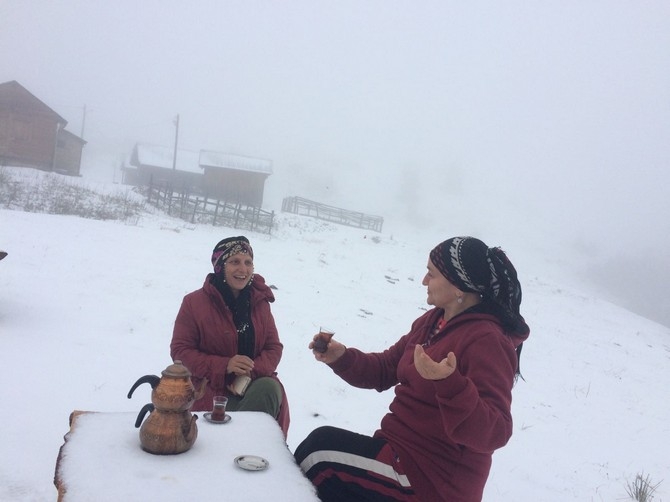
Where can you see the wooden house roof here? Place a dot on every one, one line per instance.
(72, 136)
(163, 156)
(237, 162)
(14, 96)
(194, 162)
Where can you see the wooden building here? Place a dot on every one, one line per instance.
(155, 165)
(34, 135)
(69, 148)
(215, 175)
(235, 178)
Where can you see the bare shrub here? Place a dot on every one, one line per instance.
(641, 490)
(55, 194)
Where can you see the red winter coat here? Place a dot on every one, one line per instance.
(205, 338)
(444, 431)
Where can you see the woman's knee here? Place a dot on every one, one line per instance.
(266, 386)
(322, 438)
(264, 394)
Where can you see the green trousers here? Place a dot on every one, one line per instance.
(263, 394)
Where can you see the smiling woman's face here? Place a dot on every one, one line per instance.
(238, 270)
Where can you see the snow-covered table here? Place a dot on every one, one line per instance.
(102, 460)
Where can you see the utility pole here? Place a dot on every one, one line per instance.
(176, 141)
(83, 123)
(174, 157)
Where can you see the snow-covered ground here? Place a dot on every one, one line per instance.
(87, 307)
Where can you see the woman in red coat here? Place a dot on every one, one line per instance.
(225, 332)
(453, 375)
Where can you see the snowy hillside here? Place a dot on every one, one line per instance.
(87, 306)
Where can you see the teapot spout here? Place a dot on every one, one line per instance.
(190, 430)
(152, 379)
(146, 408)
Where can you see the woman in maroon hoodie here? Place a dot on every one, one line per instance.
(453, 375)
(225, 332)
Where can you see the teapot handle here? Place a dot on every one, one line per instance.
(203, 388)
(152, 379)
(147, 407)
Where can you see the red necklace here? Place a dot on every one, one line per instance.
(436, 329)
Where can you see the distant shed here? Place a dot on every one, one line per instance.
(235, 178)
(215, 175)
(155, 165)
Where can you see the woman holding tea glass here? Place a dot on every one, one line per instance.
(453, 375)
(225, 332)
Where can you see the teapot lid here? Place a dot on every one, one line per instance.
(176, 370)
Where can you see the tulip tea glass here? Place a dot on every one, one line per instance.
(323, 339)
(219, 408)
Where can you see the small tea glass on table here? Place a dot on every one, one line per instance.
(219, 408)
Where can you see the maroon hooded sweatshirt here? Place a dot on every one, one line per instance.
(444, 431)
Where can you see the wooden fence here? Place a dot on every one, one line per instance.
(200, 209)
(298, 205)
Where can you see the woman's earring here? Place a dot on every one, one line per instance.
(459, 299)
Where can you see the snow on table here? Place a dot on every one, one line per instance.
(102, 460)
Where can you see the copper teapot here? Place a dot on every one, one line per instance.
(166, 432)
(170, 428)
(174, 391)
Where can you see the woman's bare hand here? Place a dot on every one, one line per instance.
(334, 351)
(240, 365)
(433, 370)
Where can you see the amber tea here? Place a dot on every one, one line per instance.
(219, 409)
(322, 340)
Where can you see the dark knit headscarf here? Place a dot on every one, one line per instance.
(240, 306)
(473, 267)
(227, 248)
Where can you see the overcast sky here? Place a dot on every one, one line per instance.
(435, 110)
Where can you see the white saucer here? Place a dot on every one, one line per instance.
(252, 463)
(208, 417)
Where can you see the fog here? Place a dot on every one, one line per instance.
(547, 118)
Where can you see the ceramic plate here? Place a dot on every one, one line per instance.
(208, 417)
(252, 463)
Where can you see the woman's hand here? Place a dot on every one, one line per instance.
(432, 370)
(333, 352)
(240, 365)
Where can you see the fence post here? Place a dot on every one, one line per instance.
(195, 208)
(237, 214)
(216, 211)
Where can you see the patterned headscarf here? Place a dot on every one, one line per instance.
(227, 248)
(473, 267)
(240, 306)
